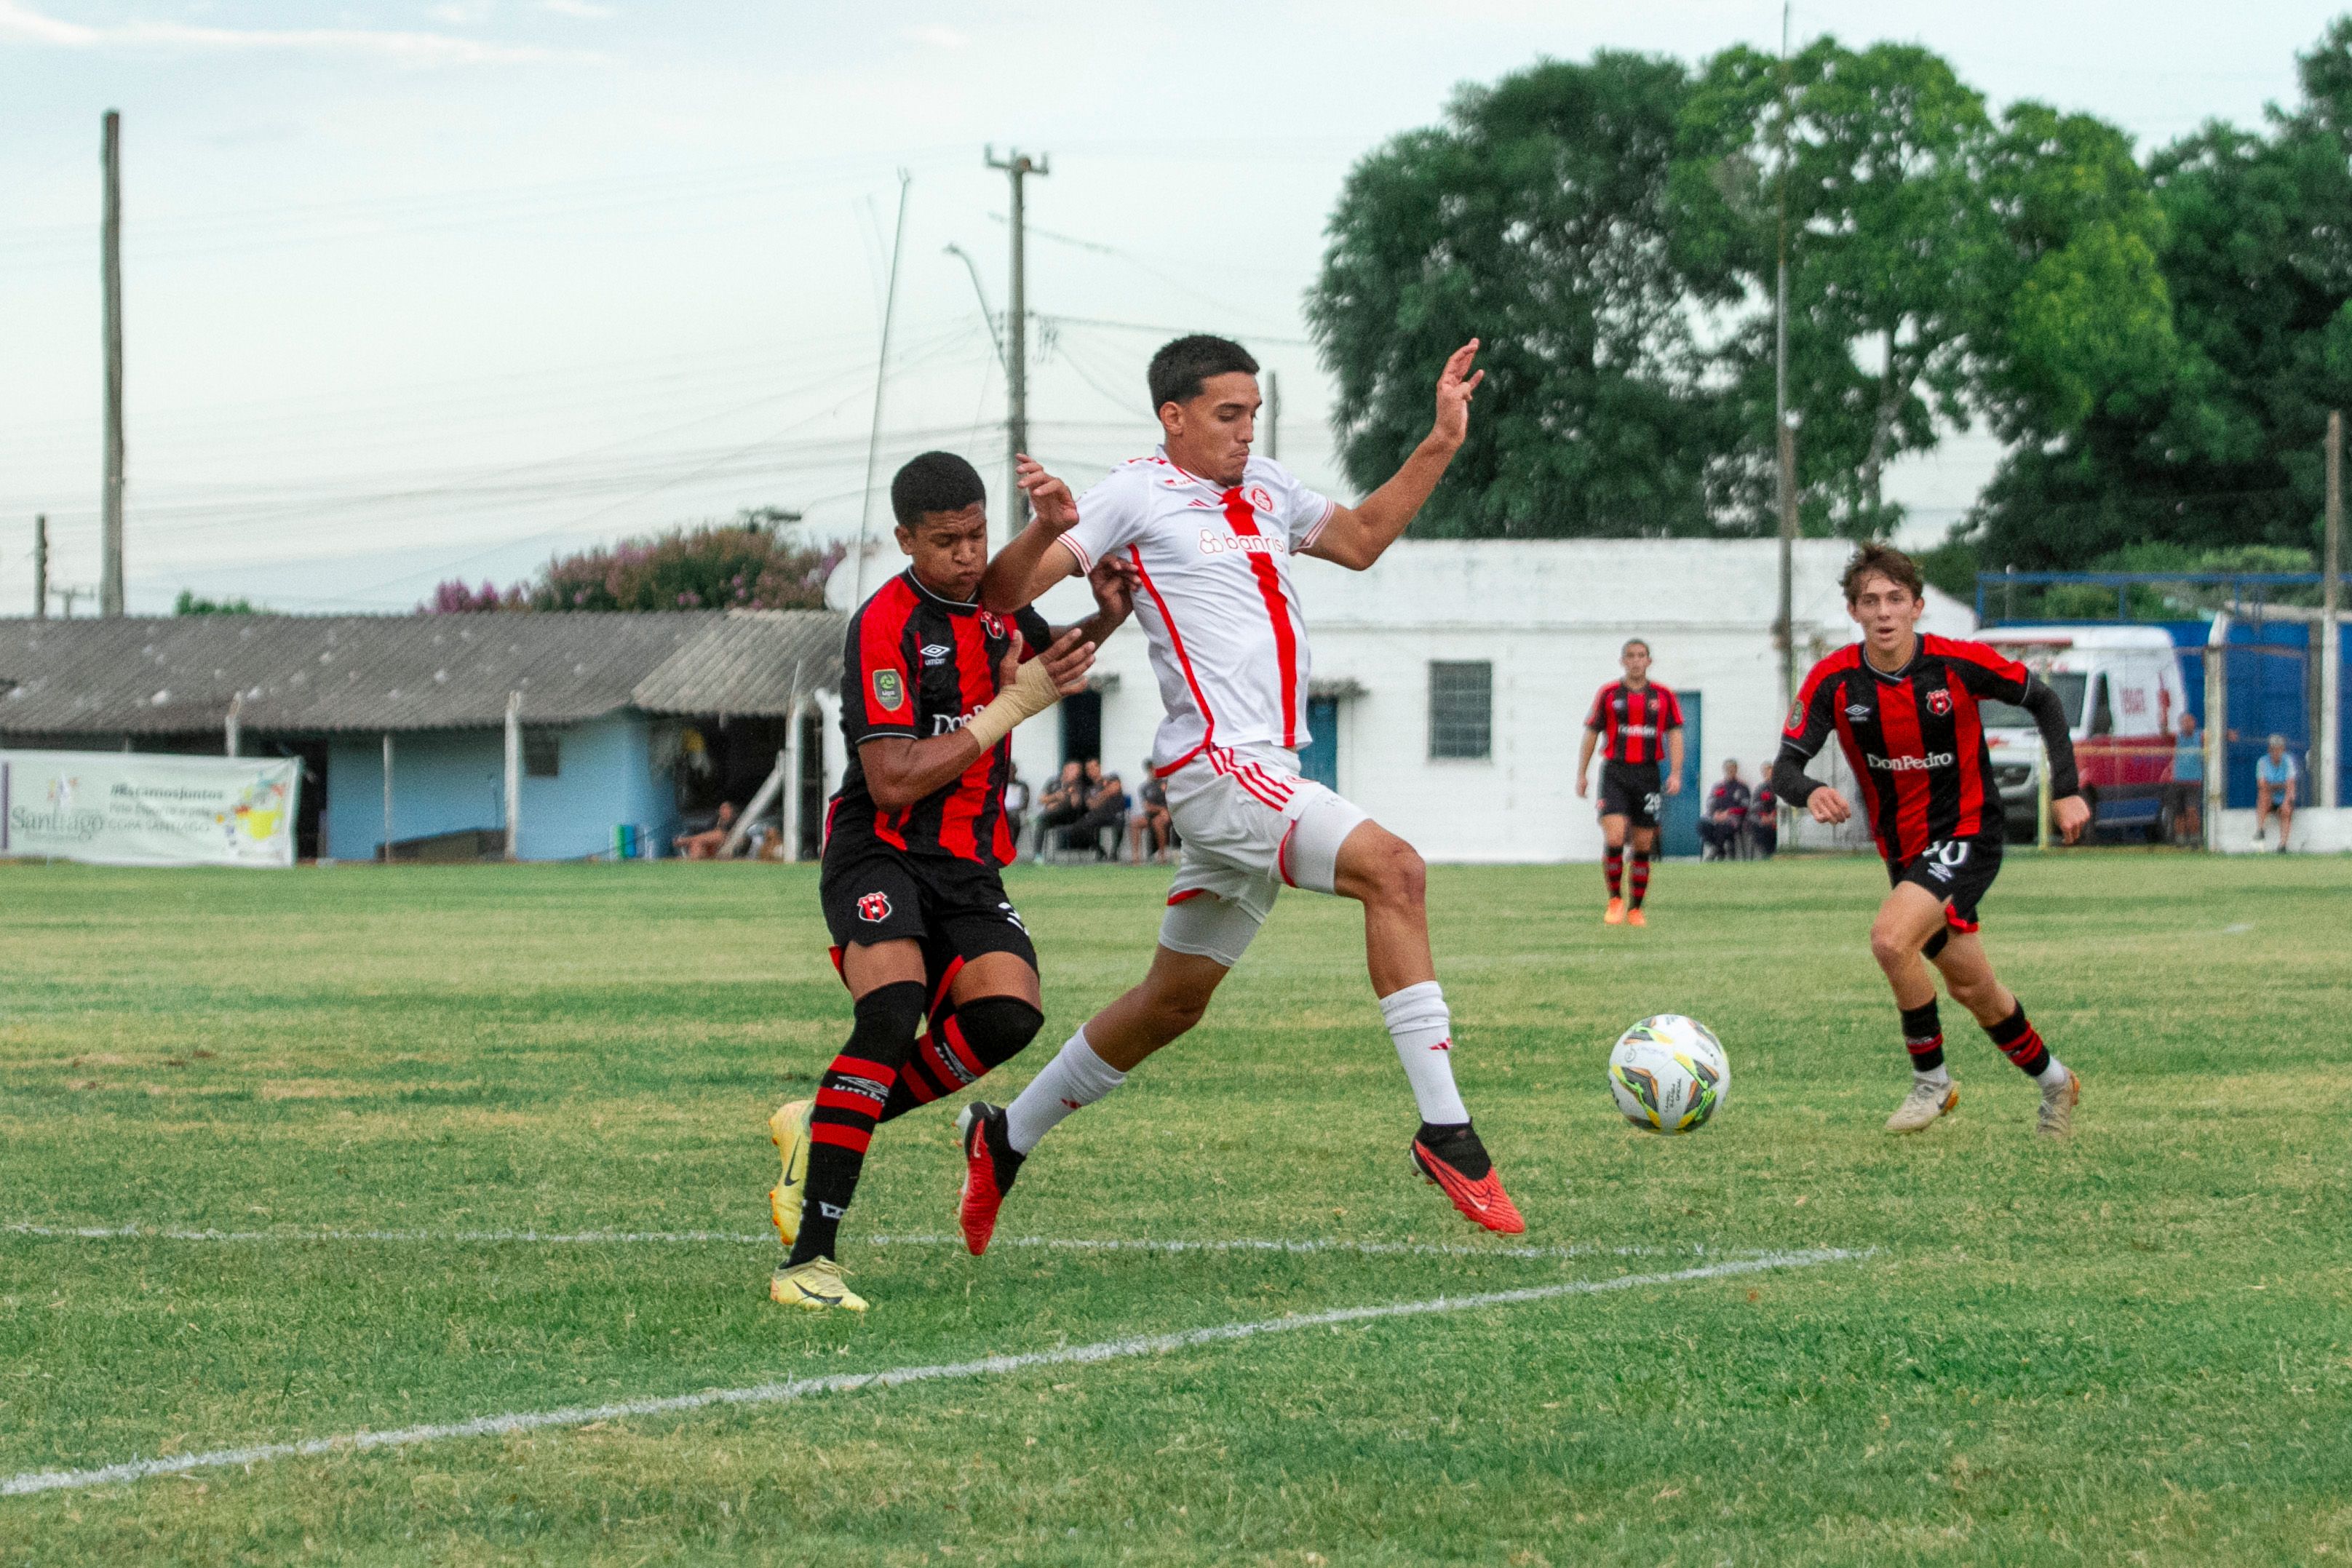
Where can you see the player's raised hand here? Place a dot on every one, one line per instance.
(2070, 814)
(1068, 659)
(1048, 497)
(1826, 805)
(1456, 384)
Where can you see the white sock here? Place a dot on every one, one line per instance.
(1424, 1033)
(2051, 1077)
(1938, 1075)
(1076, 1077)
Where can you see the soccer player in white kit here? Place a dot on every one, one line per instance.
(1208, 531)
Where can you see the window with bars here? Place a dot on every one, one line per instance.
(543, 754)
(1461, 709)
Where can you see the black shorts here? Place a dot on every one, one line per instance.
(955, 908)
(1958, 870)
(1631, 790)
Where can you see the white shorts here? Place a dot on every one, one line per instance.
(1250, 825)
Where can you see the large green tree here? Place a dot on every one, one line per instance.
(1537, 219)
(2218, 449)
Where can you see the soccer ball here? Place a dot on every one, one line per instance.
(1669, 1074)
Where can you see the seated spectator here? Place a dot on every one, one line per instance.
(1105, 807)
(1152, 823)
(704, 845)
(2275, 777)
(1726, 817)
(2185, 796)
(1764, 819)
(1063, 803)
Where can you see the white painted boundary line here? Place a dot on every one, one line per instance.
(633, 1238)
(32, 1481)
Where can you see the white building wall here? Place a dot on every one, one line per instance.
(1549, 615)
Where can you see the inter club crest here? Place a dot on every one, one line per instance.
(1940, 702)
(889, 691)
(874, 908)
(1260, 499)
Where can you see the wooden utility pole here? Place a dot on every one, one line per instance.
(2330, 760)
(1018, 166)
(41, 568)
(109, 581)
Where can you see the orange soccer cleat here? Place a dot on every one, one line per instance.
(1615, 913)
(1482, 1202)
(1636, 917)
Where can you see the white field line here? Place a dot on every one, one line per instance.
(32, 1481)
(633, 1238)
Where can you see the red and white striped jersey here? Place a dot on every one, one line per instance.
(1226, 630)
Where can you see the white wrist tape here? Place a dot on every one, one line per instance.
(1030, 694)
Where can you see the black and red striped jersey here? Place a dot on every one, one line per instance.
(919, 664)
(1914, 739)
(1634, 720)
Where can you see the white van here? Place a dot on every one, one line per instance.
(2124, 697)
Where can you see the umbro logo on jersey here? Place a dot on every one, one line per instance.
(1857, 710)
(936, 653)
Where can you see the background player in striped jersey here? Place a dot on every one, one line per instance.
(932, 685)
(1904, 707)
(1636, 723)
(1211, 530)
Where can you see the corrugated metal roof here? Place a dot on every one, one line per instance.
(300, 672)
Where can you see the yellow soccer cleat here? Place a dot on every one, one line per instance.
(789, 1129)
(814, 1286)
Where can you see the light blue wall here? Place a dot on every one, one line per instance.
(445, 781)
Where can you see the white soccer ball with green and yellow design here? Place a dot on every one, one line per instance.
(1669, 1074)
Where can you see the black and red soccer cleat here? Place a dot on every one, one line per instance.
(989, 1163)
(1446, 1156)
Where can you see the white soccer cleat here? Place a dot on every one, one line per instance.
(1925, 1104)
(2056, 1118)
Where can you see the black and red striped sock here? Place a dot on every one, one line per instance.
(965, 1044)
(1640, 877)
(1612, 865)
(849, 1100)
(2021, 1042)
(1923, 1037)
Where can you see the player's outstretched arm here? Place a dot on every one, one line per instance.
(1036, 558)
(900, 772)
(1355, 537)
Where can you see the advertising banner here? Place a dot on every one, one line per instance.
(125, 808)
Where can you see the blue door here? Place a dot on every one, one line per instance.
(1678, 823)
(1319, 758)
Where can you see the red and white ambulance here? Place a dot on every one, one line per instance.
(2124, 698)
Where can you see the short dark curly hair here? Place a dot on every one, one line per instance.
(1178, 369)
(934, 482)
(1881, 561)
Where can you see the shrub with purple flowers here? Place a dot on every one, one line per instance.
(744, 564)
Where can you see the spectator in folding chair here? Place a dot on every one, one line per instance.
(1106, 809)
(1062, 804)
(1720, 826)
(1151, 824)
(1764, 819)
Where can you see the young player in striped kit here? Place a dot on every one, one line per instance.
(1211, 530)
(1636, 723)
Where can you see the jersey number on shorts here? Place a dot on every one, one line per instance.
(1947, 855)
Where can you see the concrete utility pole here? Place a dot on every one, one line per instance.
(881, 382)
(1018, 166)
(41, 568)
(514, 776)
(2331, 627)
(1784, 631)
(109, 581)
(232, 729)
(1274, 415)
(387, 797)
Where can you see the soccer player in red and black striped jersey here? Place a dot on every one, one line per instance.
(1904, 709)
(1637, 723)
(932, 685)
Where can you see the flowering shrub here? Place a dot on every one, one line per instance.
(746, 564)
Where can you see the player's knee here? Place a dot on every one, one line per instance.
(997, 1027)
(1892, 946)
(1396, 874)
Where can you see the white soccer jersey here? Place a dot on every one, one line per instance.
(1227, 632)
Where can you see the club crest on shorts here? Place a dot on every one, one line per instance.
(889, 691)
(874, 908)
(1940, 702)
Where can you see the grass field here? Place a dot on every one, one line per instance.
(2134, 1348)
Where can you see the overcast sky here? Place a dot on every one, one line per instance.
(416, 290)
